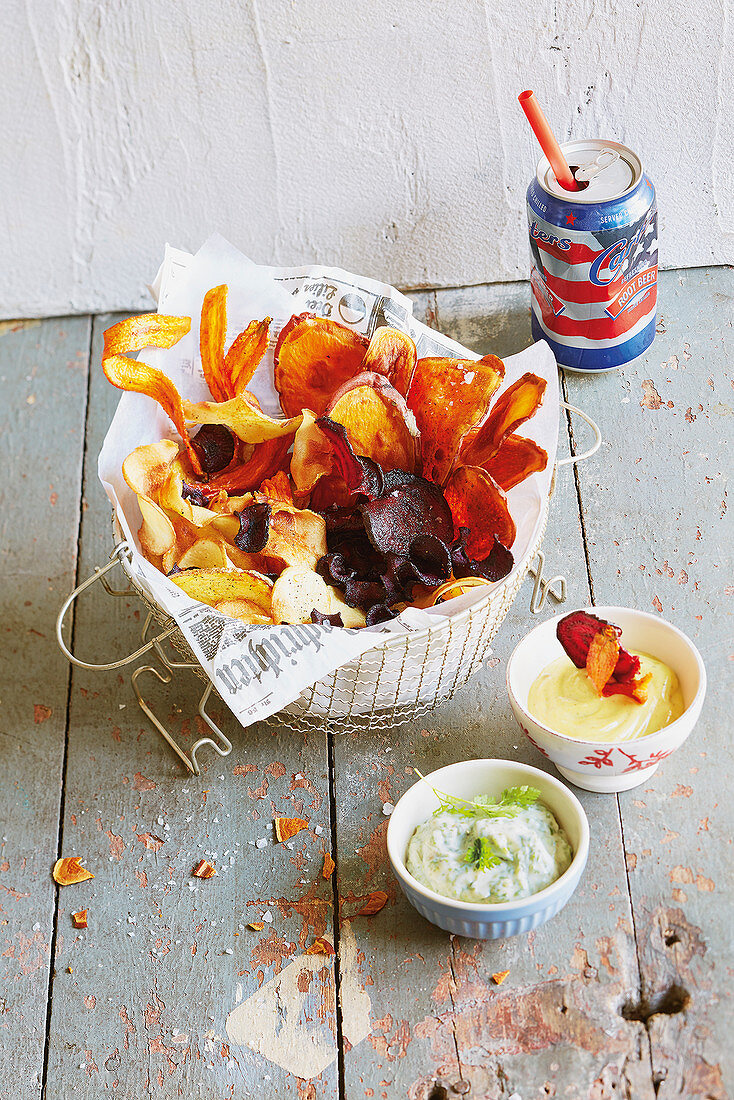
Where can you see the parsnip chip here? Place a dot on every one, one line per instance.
(246, 610)
(378, 421)
(212, 334)
(157, 534)
(313, 357)
(146, 468)
(393, 354)
(478, 504)
(350, 616)
(511, 409)
(297, 592)
(516, 459)
(449, 397)
(297, 536)
(243, 415)
(313, 456)
(204, 554)
(244, 355)
(175, 495)
(213, 586)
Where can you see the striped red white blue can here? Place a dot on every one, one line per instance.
(594, 257)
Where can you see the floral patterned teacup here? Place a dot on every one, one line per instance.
(609, 766)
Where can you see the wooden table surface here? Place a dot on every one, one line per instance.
(625, 994)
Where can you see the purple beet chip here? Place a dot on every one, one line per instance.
(320, 618)
(194, 495)
(215, 446)
(254, 531)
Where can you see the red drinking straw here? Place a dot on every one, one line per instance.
(548, 143)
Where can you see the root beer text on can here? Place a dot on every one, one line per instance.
(594, 257)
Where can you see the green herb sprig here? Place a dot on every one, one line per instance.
(480, 854)
(511, 802)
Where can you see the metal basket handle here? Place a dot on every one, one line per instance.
(573, 460)
(223, 746)
(116, 558)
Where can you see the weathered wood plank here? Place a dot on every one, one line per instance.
(141, 1000)
(43, 371)
(437, 1017)
(660, 537)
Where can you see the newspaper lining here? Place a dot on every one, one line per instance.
(259, 670)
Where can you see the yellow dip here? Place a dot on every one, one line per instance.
(564, 699)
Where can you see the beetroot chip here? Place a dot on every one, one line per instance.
(576, 631)
(362, 475)
(320, 618)
(430, 559)
(214, 444)
(407, 507)
(379, 613)
(254, 531)
(497, 564)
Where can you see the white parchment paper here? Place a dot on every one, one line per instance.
(259, 670)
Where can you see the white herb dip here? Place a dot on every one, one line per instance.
(530, 847)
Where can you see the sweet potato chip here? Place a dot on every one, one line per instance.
(157, 534)
(244, 355)
(602, 657)
(245, 610)
(287, 827)
(511, 409)
(146, 468)
(449, 397)
(378, 421)
(69, 870)
(277, 488)
(243, 415)
(393, 354)
(637, 690)
(213, 586)
(212, 334)
(133, 334)
(478, 504)
(516, 459)
(313, 357)
(328, 869)
(79, 919)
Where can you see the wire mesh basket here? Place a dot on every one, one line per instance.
(407, 676)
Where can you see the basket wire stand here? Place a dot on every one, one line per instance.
(403, 679)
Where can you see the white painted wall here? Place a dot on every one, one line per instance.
(384, 136)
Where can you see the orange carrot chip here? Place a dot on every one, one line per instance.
(500, 976)
(69, 870)
(212, 334)
(287, 827)
(244, 355)
(478, 503)
(601, 660)
(511, 409)
(449, 397)
(79, 919)
(313, 357)
(256, 925)
(328, 868)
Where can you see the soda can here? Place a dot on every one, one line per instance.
(594, 257)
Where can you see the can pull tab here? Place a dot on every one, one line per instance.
(602, 160)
